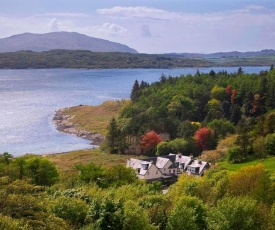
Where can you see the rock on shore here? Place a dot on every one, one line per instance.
(64, 124)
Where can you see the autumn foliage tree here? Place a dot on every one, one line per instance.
(205, 138)
(149, 142)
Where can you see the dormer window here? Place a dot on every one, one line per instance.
(145, 166)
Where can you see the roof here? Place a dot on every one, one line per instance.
(134, 163)
(161, 162)
(198, 164)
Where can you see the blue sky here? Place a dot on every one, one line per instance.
(150, 26)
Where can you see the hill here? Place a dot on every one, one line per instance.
(60, 40)
(93, 60)
(232, 54)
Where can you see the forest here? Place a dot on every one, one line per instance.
(104, 60)
(191, 114)
(225, 119)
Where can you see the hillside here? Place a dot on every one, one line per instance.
(232, 54)
(110, 60)
(93, 60)
(60, 40)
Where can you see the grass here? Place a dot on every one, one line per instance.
(269, 164)
(93, 119)
(67, 161)
(96, 118)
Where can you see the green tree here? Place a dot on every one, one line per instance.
(91, 173)
(221, 127)
(181, 107)
(135, 218)
(115, 138)
(119, 175)
(240, 71)
(218, 93)
(163, 148)
(244, 139)
(73, 210)
(234, 213)
(235, 154)
(269, 123)
(135, 91)
(158, 209)
(188, 213)
(187, 129)
(269, 144)
(105, 215)
(236, 114)
(41, 171)
(6, 158)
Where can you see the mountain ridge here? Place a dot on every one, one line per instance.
(230, 54)
(60, 40)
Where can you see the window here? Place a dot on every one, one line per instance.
(157, 172)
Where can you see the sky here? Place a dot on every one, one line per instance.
(150, 26)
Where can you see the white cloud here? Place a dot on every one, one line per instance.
(64, 14)
(54, 25)
(112, 29)
(138, 12)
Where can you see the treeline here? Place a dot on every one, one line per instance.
(101, 60)
(34, 195)
(191, 114)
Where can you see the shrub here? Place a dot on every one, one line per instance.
(234, 154)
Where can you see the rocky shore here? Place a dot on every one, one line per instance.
(64, 124)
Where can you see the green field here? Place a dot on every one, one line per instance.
(269, 164)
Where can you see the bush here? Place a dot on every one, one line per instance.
(7, 223)
(269, 144)
(73, 210)
(259, 147)
(234, 154)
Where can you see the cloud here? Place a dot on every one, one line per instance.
(64, 14)
(54, 25)
(138, 12)
(156, 30)
(110, 29)
(145, 31)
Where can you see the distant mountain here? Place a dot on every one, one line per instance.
(60, 40)
(233, 54)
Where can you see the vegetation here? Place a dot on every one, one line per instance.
(200, 111)
(102, 60)
(111, 197)
(226, 119)
(95, 118)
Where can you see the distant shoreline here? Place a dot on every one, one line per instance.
(63, 124)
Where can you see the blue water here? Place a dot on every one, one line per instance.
(29, 99)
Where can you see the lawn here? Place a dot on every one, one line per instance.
(269, 164)
(67, 161)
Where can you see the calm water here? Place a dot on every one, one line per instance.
(29, 99)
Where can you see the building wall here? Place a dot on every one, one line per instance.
(152, 173)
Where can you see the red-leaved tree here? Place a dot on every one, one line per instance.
(205, 138)
(149, 142)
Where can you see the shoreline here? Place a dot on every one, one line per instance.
(64, 124)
